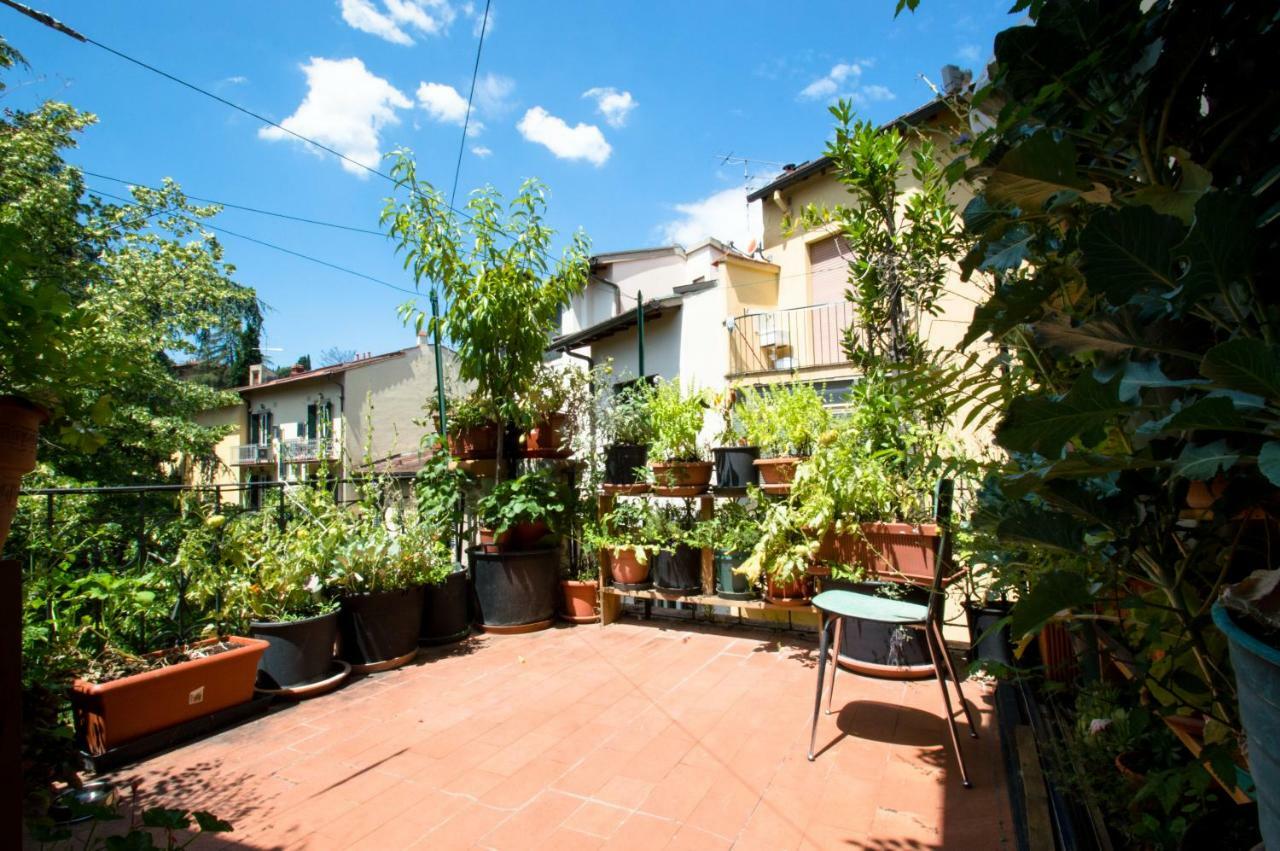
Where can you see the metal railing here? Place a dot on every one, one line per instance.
(254, 453)
(787, 340)
(308, 449)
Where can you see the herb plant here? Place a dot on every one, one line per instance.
(532, 496)
(783, 420)
(677, 422)
(626, 415)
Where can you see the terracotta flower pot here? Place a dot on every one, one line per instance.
(113, 713)
(520, 537)
(898, 552)
(626, 569)
(547, 439)
(795, 592)
(579, 600)
(477, 442)
(681, 478)
(777, 474)
(487, 541)
(20, 422)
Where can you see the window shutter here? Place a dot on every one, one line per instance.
(312, 413)
(829, 270)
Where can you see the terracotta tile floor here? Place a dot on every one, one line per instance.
(637, 735)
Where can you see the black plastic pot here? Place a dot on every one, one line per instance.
(374, 628)
(734, 466)
(298, 652)
(515, 588)
(444, 610)
(980, 620)
(678, 570)
(730, 585)
(621, 460)
(878, 645)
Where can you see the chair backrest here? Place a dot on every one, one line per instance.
(942, 498)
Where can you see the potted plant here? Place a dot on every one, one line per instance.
(123, 695)
(544, 404)
(627, 537)
(580, 592)
(628, 428)
(781, 557)
(784, 422)
(274, 581)
(733, 457)
(675, 459)
(677, 565)
(472, 428)
(731, 534)
(438, 488)
(521, 513)
(1248, 613)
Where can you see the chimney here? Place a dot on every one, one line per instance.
(255, 374)
(297, 369)
(788, 168)
(955, 79)
(424, 338)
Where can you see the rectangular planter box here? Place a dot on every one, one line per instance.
(893, 552)
(110, 714)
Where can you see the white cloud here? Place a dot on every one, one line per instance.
(970, 53)
(392, 22)
(237, 80)
(723, 215)
(442, 102)
(842, 81)
(345, 108)
(493, 94)
(614, 105)
(481, 151)
(581, 142)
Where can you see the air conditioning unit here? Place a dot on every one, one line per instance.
(774, 337)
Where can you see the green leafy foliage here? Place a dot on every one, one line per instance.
(535, 495)
(783, 419)
(677, 418)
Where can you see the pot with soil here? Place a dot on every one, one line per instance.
(548, 438)
(735, 467)
(678, 570)
(629, 568)
(477, 442)
(901, 552)
(210, 676)
(579, 600)
(379, 631)
(516, 591)
(444, 610)
(20, 423)
(777, 474)
(623, 466)
(521, 536)
(731, 585)
(789, 592)
(299, 653)
(681, 478)
(879, 649)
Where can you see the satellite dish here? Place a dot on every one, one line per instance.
(751, 247)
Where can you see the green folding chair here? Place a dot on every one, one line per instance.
(834, 606)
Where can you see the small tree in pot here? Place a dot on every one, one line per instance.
(675, 457)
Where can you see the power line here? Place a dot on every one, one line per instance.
(264, 243)
(466, 121)
(247, 209)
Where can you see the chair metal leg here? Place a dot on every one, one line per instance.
(835, 661)
(823, 643)
(964, 704)
(946, 701)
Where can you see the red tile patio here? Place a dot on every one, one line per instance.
(637, 735)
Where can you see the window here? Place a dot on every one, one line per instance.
(829, 270)
(260, 428)
(319, 420)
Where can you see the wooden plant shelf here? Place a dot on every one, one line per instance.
(704, 600)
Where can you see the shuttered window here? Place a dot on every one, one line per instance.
(829, 270)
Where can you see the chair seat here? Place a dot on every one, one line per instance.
(880, 609)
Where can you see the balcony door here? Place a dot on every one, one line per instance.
(260, 428)
(829, 270)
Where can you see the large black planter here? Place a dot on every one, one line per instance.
(298, 652)
(444, 610)
(621, 461)
(730, 585)
(381, 628)
(516, 591)
(879, 649)
(678, 570)
(735, 468)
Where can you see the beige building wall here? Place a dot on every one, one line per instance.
(224, 472)
(401, 395)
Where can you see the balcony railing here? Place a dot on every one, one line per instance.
(302, 449)
(254, 453)
(786, 340)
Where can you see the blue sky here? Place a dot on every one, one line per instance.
(621, 108)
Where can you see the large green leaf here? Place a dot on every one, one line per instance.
(1129, 251)
(1269, 461)
(1097, 335)
(1036, 170)
(1013, 303)
(1136, 376)
(1204, 462)
(1244, 364)
(1178, 201)
(1049, 594)
(1028, 526)
(1007, 252)
(1213, 412)
(1044, 424)
(1219, 248)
